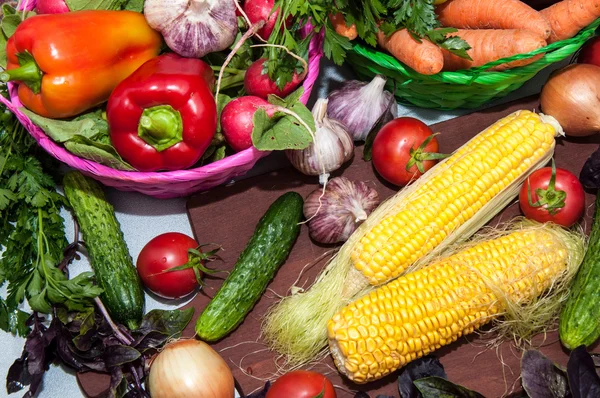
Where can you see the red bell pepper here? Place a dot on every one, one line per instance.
(163, 116)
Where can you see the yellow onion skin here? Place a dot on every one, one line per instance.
(571, 96)
(190, 369)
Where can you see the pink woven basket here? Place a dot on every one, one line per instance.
(167, 184)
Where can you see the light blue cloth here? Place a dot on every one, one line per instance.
(142, 218)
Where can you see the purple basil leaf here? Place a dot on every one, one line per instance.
(165, 322)
(86, 341)
(152, 340)
(596, 359)
(436, 387)
(418, 369)
(18, 377)
(260, 393)
(117, 355)
(541, 378)
(583, 380)
(361, 394)
(158, 326)
(65, 352)
(30, 368)
(384, 396)
(118, 383)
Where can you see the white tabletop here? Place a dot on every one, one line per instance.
(142, 218)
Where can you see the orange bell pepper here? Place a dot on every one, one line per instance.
(68, 63)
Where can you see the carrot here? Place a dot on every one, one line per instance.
(568, 17)
(339, 24)
(491, 44)
(493, 14)
(425, 57)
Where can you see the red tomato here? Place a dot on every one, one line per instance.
(392, 146)
(301, 384)
(565, 214)
(590, 53)
(162, 253)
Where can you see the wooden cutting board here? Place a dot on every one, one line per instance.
(228, 215)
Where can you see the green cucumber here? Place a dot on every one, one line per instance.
(579, 322)
(265, 252)
(122, 295)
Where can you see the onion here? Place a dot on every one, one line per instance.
(571, 95)
(190, 369)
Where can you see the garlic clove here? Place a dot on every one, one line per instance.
(358, 105)
(332, 146)
(335, 214)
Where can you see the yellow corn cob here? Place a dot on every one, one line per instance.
(432, 307)
(469, 180)
(446, 205)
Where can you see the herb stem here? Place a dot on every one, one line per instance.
(120, 336)
(234, 50)
(136, 378)
(233, 71)
(232, 81)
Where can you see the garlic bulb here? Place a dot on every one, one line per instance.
(331, 148)
(358, 105)
(344, 206)
(193, 28)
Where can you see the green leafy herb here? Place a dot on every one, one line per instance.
(97, 151)
(32, 230)
(454, 44)
(10, 23)
(365, 16)
(418, 16)
(283, 130)
(63, 130)
(222, 100)
(219, 154)
(13, 320)
(335, 45)
(134, 5)
(85, 136)
(78, 5)
(11, 18)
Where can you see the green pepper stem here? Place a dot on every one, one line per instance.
(161, 127)
(29, 73)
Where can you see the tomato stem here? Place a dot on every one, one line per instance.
(418, 156)
(551, 199)
(196, 259)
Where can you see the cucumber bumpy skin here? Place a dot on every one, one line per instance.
(123, 295)
(265, 252)
(579, 321)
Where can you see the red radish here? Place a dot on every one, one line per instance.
(259, 84)
(236, 120)
(260, 10)
(51, 7)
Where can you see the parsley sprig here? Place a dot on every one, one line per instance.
(32, 236)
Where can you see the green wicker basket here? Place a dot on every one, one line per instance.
(468, 88)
